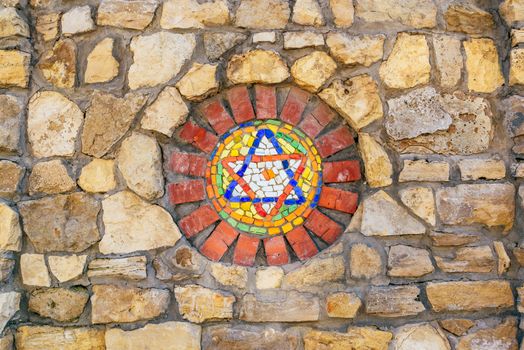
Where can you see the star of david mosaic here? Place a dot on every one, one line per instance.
(264, 175)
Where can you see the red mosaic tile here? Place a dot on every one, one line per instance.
(246, 250)
(334, 141)
(187, 191)
(342, 171)
(276, 250)
(266, 102)
(302, 243)
(219, 241)
(240, 103)
(188, 164)
(310, 126)
(198, 220)
(294, 106)
(323, 114)
(323, 226)
(337, 199)
(198, 136)
(217, 116)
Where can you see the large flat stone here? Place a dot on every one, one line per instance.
(199, 304)
(412, 13)
(279, 307)
(355, 338)
(257, 66)
(134, 14)
(53, 338)
(61, 304)
(227, 338)
(398, 301)
(14, 68)
(262, 14)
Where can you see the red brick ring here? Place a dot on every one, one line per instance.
(282, 170)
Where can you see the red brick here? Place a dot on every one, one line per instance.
(323, 114)
(310, 126)
(323, 226)
(186, 191)
(188, 164)
(219, 241)
(198, 220)
(343, 171)
(266, 102)
(240, 103)
(198, 136)
(217, 116)
(296, 102)
(337, 199)
(334, 141)
(246, 250)
(302, 243)
(276, 251)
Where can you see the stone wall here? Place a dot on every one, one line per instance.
(110, 111)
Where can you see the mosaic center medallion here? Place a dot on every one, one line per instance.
(264, 177)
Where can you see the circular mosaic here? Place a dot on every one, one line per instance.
(264, 175)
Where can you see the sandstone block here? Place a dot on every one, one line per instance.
(468, 18)
(60, 304)
(179, 264)
(448, 59)
(58, 65)
(77, 20)
(279, 307)
(316, 272)
(136, 14)
(355, 338)
(51, 177)
(199, 82)
(269, 278)
(456, 326)
(406, 261)
(512, 11)
(101, 64)
(501, 336)
(227, 338)
(353, 50)
(98, 176)
(471, 259)
(377, 166)
(34, 271)
(398, 301)
(342, 305)
(10, 232)
(192, 14)
(299, 40)
(422, 170)
(489, 169)
(257, 66)
(132, 268)
(412, 13)
(313, 70)
(343, 12)
(216, 44)
(420, 336)
(198, 304)
(10, 118)
(516, 72)
(421, 201)
(10, 304)
(166, 113)
(51, 338)
(68, 267)
(14, 68)
(47, 25)
(12, 24)
(482, 65)
(308, 13)
(365, 262)
(10, 176)
(262, 14)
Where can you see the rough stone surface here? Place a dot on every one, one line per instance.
(60, 304)
(502, 336)
(316, 272)
(313, 70)
(192, 14)
(7, 266)
(10, 176)
(420, 336)
(422, 170)
(51, 177)
(58, 66)
(421, 201)
(132, 268)
(10, 232)
(166, 113)
(67, 267)
(101, 64)
(34, 270)
(299, 40)
(448, 59)
(503, 259)
(365, 262)
(179, 264)
(482, 65)
(457, 326)
(257, 66)
(226, 338)
(398, 301)
(355, 338)
(262, 14)
(235, 276)
(47, 25)
(71, 338)
(511, 11)
(288, 306)
(136, 14)
(269, 278)
(131, 224)
(470, 259)
(378, 168)
(447, 239)
(343, 12)
(516, 72)
(353, 50)
(199, 304)
(343, 305)
(77, 20)
(14, 68)
(53, 122)
(12, 24)
(216, 44)
(413, 13)
(489, 169)
(308, 12)
(199, 82)
(468, 18)
(98, 176)
(10, 304)
(406, 261)
(10, 119)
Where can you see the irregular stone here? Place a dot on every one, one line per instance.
(353, 50)
(111, 303)
(406, 261)
(398, 301)
(470, 132)
(136, 14)
(512, 11)
(503, 260)
(502, 336)
(356, 99)
(482, 65)
(14, 68)
(10, 118)
(470, 259)
(448, 59)
(420, 336)
(58, 66)
(47, 25)
(517, 37)
(179, 264)
(235, 276)
(50, 177)
(199, 82)
(157, 58)
(518, 252)
(10, 232)
(10, 176)
(12, 24)
(313, 70)
(469, 296)
(166, 113)
(198, 304)
(131, 268)
(489, 169)
(226, 338)
(47, 338)
(445, 239)
(377, 166)
(269, 278)
(34, 271)
(486, 204)
(408, 64)
(289, 306)
(264, 37)
(217, 44)
(299, 40)
(101, 64)
(7, 342)
(308, 13)
(412, 13)
(456, 326)
(192, 14)
(61, 304)
(342, 305)
(53, 122)
(77, 20)
(131, 224)
(257, 66)
(423, 170)
(167, 335)
(62, 223)
(468, 18)
(418, 112)
(262, 14)
(356, 338)
(10, 304)
(343, 12)
(68, 267)
(98, 176)
(101, 133)
(516, 71)
(316, 272)
(383, 216)
(365, 262)
(421, 201)
(140, 163)
(7, 266)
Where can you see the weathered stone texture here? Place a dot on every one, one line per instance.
(448, 59)
(132, 268)
(50, 177)
(34, 270)
(420, 336)
(257, 66)
(68, 267)
(77, 20)
(482, 65)
(355, 338)
(316, 272)
(262, 14)
(10, 120)
(14, 68)
(12, 24)
(10, 232)
(406, 261)
(199, 304)
(199, 82)
(365, 262)
(378, 168)
(413, 13)
(343, 305)
(312, 71)
(421, 201)
(52, 338)
(135, 14)
(422, 170)
(279, 307)
(226, 338)
(166, 113)
(10, 176)
(192, 14)
(59, 304)
(393, 301)
(353, 50)
(471, 259)
(502, 336)
(58, 66)
(98, 176)
(101, 64)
